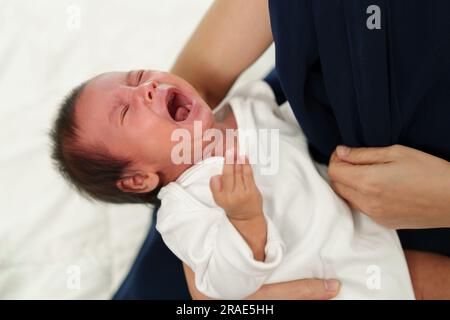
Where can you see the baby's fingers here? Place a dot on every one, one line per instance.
(228, 177)
(247, 173)
(215, 183)
(239, 184)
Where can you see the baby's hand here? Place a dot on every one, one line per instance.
(236, 192)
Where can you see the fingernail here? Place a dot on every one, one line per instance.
(331, 285)
(343, 151)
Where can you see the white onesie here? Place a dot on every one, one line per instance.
(311, 232)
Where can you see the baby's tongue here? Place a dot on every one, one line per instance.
(181, 114)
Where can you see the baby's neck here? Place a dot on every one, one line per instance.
(227, 122)
(229, 119)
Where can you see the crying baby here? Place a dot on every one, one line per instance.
(236, 226)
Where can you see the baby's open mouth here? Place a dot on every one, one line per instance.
(179, 106)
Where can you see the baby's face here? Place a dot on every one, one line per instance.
(134, 114)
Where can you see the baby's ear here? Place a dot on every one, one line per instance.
(138, 183)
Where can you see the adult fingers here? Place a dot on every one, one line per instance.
(352, 196)
(248, 174)
(347, 174)
(239, 185)
(307, 289)
(364, 155)
(215, 183)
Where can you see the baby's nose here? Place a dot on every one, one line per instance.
(151, 89)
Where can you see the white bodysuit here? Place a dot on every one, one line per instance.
(311, 232)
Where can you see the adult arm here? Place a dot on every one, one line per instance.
(429, 274)
(397, 186)
(231, 36)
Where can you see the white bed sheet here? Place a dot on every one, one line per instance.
(48, 234)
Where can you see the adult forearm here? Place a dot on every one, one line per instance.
(430, 275)
(230, 37)
(446, 211)
(204, 79)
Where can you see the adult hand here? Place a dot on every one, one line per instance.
(309, 289)
(396, 186)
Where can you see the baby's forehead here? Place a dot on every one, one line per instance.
(109, 79)
(98, 86)
(93, 108)
(94, 98)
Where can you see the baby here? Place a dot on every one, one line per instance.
(236, 225)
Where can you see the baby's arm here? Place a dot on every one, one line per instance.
(231, 253)
(235, 191)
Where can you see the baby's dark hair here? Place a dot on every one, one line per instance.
(91, 170)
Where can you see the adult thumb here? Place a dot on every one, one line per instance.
(305, 289)
(317, 289)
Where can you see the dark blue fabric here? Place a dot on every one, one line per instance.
(274, 82)
(368, 88)
(156, 273)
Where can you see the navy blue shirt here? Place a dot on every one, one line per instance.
(368, 87)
